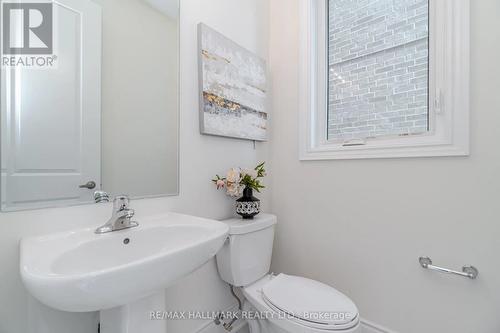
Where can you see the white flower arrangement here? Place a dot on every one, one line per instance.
(237, 179)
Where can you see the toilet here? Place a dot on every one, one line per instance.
(279, 303)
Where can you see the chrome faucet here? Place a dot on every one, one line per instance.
(121, 217)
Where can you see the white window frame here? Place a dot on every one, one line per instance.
(448, 89)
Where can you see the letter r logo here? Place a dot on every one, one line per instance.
(27, 28)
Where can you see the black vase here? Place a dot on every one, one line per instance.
(248, 206)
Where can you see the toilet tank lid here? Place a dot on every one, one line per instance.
(239, 226)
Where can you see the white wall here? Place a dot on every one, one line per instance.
(245, 21)
(139, 99)
(361, 225)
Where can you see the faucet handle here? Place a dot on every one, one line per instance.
(120, 202)
(130, 213)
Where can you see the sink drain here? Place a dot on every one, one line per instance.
(126, 241)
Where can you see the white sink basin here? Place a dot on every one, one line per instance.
(81, 271)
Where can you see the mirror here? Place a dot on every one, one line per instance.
(89, 101)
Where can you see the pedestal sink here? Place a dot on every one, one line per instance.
(80, 271)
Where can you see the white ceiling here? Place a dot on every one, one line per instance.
(168, 7)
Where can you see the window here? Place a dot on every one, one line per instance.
(384, 78)
(378, 57)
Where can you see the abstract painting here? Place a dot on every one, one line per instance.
(232, 88)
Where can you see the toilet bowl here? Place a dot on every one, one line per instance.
(279, 303)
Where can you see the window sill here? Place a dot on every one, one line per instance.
(328, 152)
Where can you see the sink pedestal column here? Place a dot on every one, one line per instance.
(135, 317)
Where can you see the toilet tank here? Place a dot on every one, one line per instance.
(246, 255)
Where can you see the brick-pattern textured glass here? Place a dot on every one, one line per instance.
(378, 68)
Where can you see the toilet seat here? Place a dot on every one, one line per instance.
(299, 303)
(312, 303)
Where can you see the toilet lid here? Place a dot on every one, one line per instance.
(310, 301)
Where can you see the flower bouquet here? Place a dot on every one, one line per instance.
(242, 182)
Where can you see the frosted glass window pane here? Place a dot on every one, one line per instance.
(378, 68)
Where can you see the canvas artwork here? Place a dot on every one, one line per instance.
(232, 88)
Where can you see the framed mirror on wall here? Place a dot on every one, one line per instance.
(89, 101)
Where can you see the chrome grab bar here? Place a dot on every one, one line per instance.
(470, 272)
